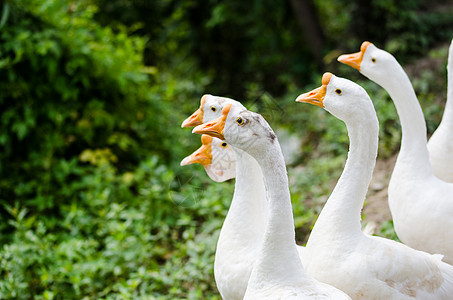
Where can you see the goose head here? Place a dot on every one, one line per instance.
(243, 129)
(342, 98)
(376, 64)
(216, 156)
(210, 108)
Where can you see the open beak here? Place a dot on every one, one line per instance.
(197, 117)
(215, 127)
(355, 59)
(316, 96)
(202, 155)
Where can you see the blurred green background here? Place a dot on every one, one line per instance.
(93, 202)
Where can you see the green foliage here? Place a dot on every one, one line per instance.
(388, 231)
(73, 88)
(90, 205)
(408, 29)
(242, 43)
(116, 245)
(237, 43)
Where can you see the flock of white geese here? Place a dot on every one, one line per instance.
(256, 255)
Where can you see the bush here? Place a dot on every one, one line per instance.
(89, 138)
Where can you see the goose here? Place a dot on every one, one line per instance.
(363, 266)
(232, 271)
(420, 203)
(243, 229)
(216, 156)
(440, 145)
(278, 272)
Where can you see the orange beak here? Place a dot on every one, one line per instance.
(197, 117)
(355, 59)
(215, 127)
(316, 96)
(202, 155)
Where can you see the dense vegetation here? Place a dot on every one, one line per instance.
(93, 203)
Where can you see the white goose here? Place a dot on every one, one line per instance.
(242, 232)
(421, 204)
(440, 145)
(365, 267)
(278, 272)
(243, 229)
(231, 268)
(216, 156)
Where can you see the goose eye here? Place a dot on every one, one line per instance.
(213, 109)
(240, 121)
(338, 91)
(373, 60)
(224, 145)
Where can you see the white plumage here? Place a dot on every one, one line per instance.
(243, 229)
(421, 204)
(440, 145)
(365, 267)
(242, 232)
(278, 272)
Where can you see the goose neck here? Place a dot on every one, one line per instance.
(279, 245)
(276, 181)
(342, 212)
(413, 156)
(409, 110)
(249, 202)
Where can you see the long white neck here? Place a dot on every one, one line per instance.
(248, 211)
(341, 214)
(414, 152)
(243, 230)
(279, 256)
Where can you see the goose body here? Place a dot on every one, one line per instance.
(440, 145)
(278, 272)
(365, 267)
(243, 229)
(420, 203)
